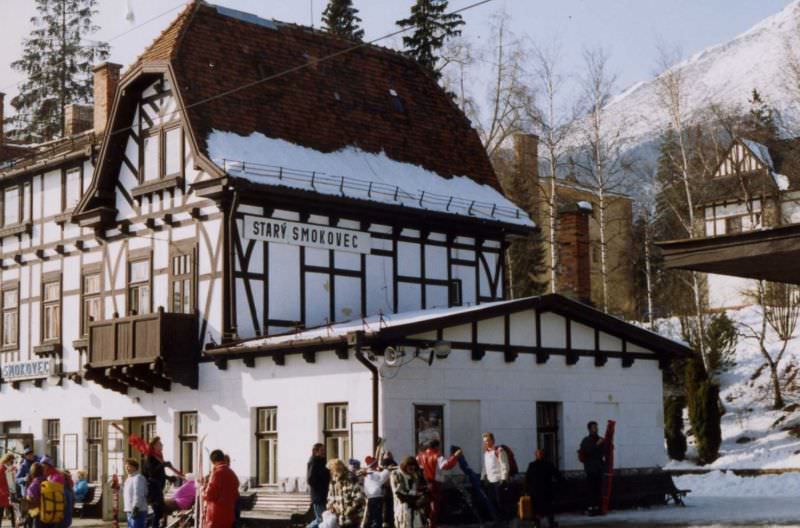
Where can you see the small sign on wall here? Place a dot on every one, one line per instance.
(307, 235)
(26, 370)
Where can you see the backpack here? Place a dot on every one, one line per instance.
(513, 468)
(51, 509)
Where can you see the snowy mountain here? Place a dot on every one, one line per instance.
(725, 74)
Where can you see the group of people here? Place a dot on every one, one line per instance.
(409, 494)
(29, 484)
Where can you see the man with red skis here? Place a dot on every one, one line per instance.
(592, 455)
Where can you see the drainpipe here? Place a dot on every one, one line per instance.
(358, 338)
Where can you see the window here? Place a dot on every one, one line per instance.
(173, 153)
(547, 429)
(90, 306)
(139, 287)
(733, 224)
(51, 310)
(150, 157)
(337, 439)
(94, 447)
(162, 154)
(11, 203)
(10, 427)
(72, 188)
(52, 431)
(188, 440)
(267, 445)
(10, 318)
(181, 285)
(455, 293)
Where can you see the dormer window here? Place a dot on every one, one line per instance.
(162, 154)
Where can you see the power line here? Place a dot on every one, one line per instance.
(312, 62)
(116, 37)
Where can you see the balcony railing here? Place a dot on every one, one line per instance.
(144, 351)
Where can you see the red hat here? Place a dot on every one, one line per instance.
(370, 461)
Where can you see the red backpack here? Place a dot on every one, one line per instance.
(513, 468)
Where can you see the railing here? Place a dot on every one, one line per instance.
(371, 190)
(140, 339)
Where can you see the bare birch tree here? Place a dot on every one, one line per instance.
(780, 311)
(552, 123)
(603, 160)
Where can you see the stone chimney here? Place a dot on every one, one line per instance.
(526, 173)
(106, 79)
(574, 271)
(77, 118)
(2, 117)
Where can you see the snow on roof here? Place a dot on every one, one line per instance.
(781, 181)
(369, 325)
(246, 17)
(760, 151)
(585, 205)
(355, 173)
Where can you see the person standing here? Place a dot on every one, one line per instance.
(134, 495)
(592, 454)
(375, 480)
(154, 471)
(222, 493)
(539, 482)
(28, 459)
(318, 478)
(345, 498)
(496, 473)
(409, 499)
(433, 463)
(6, 463)
(33, 492)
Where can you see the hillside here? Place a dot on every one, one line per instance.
(754, 436)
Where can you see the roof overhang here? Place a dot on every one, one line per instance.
(770, 254)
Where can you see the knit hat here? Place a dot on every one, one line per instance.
(27, 451)
(47, 461)
(370, 461)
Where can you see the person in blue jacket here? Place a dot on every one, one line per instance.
(28, 459)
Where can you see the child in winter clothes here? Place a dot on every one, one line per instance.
(135, 495)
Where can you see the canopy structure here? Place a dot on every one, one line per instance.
(769, 254)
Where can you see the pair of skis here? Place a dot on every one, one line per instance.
(199, 503)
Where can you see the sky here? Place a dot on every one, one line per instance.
(630, 30)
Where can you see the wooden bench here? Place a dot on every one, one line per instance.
(91, 504)
(288, 509)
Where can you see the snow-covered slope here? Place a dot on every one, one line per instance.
(753, 435)
(725, 74)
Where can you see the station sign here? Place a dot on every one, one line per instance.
(26, 370)
(308, 235)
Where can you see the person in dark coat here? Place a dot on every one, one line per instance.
(540, 480)
(592, 454)
(319, 480)
(154, 471)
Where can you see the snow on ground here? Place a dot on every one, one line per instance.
(753, 435)
(717, 499)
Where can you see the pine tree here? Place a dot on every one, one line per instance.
(673, 428)
(432, 27)
(760, 123)
(341, 19)
(57, 59)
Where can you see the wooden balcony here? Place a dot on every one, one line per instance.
(144, 351)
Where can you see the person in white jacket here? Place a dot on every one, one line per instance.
(135, 495)
(375, 480)
(496, 474)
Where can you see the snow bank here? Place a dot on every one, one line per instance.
(354, 173)
(726, 484)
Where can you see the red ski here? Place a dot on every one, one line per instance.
(608, 446)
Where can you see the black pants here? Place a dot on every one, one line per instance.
(497, 494)
(158, 512)
(595, 482)
(10, 511)
(374, 513)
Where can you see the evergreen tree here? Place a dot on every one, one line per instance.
(432, 27)
(57, 59)
(702, 397)
(673, 428)
(341, 19)
(761, 122)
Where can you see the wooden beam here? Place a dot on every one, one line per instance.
(310, 356)
(279, 358)
(571, 356)
(221, 363)
(600, 358)
(249, 362)
(477, 351)
(342, 352)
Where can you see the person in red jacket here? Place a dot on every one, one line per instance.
(221, 494)
(432, 463)
(6, 463)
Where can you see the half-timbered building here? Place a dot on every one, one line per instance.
(268, 239)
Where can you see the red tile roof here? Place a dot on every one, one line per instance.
(348, 100)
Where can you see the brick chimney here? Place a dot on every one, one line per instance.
(106, 79)
(574, 271)
(526, 173)
(78, 118)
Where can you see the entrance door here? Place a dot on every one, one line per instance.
(465, 430)
(143, 427)
(114, 451)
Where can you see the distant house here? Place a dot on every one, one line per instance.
(755, 186)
